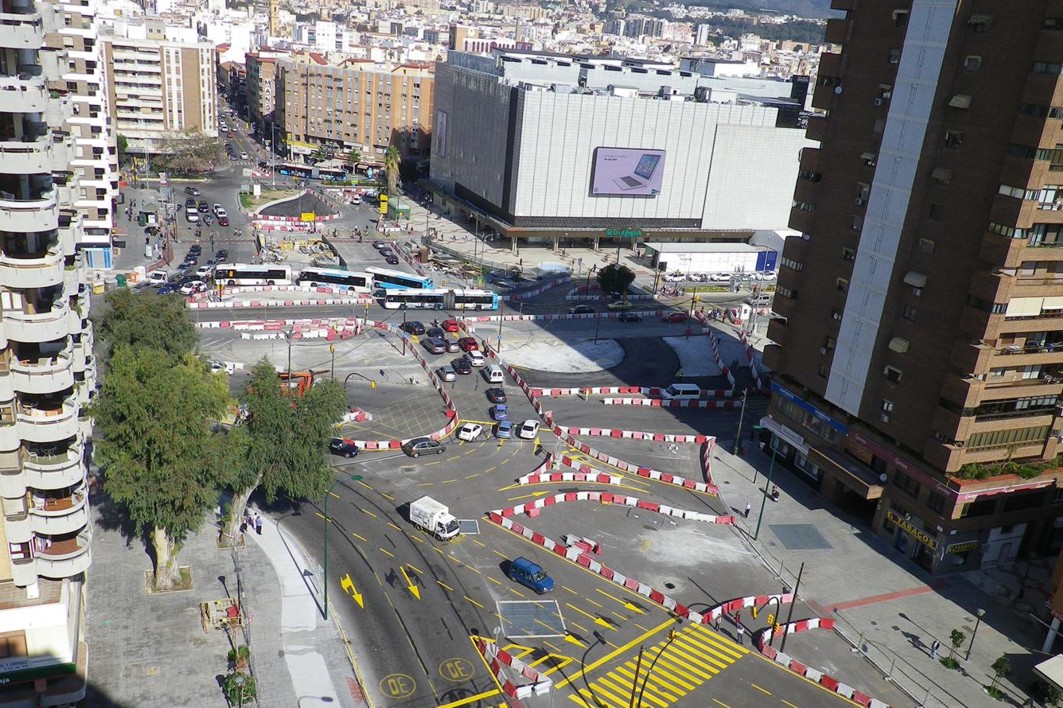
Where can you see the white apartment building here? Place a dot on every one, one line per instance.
(57, 182)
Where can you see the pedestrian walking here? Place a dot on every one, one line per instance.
(258, 524)
(934, 649)
(748, 507)
(741, 633)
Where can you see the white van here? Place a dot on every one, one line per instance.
(493, 374)
(157, 277)
(759, 299)
(681, 392)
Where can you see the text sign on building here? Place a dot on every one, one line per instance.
(909, 528)
(623, 233)
(307, 216)
(627, 172)
(962, 547)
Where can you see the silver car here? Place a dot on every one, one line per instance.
(446, 373)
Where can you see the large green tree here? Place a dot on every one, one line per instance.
(287, 442)
(147, 320)
(392, 163)
(188, 152)
(164, 458)
(613, 278)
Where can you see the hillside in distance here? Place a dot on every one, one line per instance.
(802, 8)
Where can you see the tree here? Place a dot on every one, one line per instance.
(956, 638)
(287, 442)
(188, 152)
(122, 145)
(148, 320)
(392, 162)
(1001, 668)
(164, 459)
(353, 158)
(615, 278)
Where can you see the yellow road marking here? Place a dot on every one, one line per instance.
(611, 655)
(360, 538)
(387, 553)
(474, 602)
(441, 584)
(765, 691)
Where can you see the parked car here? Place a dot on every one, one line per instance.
(436, 332)
(221, 256)
(379, 244)
(620, 305)
(503, 430)
(451, 326)
(462, 366)
(192, 190)
(208, 219)
(423, 446)
(468, 344)
(191, 216)
(204, 272)
(496, 395)
(223, 221)
(344, 447)
(433, 345)
(476, 358)
(391, 260)
(386, 251)
(190, 203)
(528, 430)
(196, 286)
(412, 327)
(499, 411)
(530, 575)
(580, 310)
(452, 345)
(629, 317)
(203, 207)
(157, 277)
(219, 210)
(447, 373)
(470, 431)
(676, 317)
(171, 290)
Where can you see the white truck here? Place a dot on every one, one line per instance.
(434, 517)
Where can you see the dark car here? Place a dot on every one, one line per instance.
(392, 260)
(344, 447)
(262, 164)
(676, 317)
(386, 251)
(423, 446)
(530, 575)
(461, 365)
(581, 310)
(496, 395)
(203, 207)
(221, 256)
(223, 221)
(208, 219)
(412, 327)
(171, 289)
(190, 203)
(436, 332)
(468, 344)
(629, 317)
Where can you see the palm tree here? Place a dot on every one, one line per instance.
(392, 160)
(353, 158)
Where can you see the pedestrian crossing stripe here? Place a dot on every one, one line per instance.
(668, 671)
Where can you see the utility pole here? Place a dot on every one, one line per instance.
(790, 613)
(741, 417)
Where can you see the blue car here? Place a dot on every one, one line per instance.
(499, 412)
(504, 429)
(168, 289)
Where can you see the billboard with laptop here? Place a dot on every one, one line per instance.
(627, 172)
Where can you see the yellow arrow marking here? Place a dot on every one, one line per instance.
(634, 608)
(414, 590)
(348, 587)
(572, 640)
(597, 620)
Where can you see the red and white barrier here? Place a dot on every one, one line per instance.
(634, 435)
(524, 294)
(763, 637)
(553, 477)
(652, 391)
(610, 499)
(706, 460)
(496, 658)
(730, 607)
(664, 403)
(250, 304)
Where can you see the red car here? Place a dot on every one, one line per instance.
(468, 344)
(223, 221)
(451, 326)
(676, 317)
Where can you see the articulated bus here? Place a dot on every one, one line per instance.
(246, 274)
(398, 280)
(341, 279)
(440, 299)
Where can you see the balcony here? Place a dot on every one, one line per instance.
(42, 373)
(49, 421)
(18, 31)
(64, 558)
(24, 93)
(35, 324)
(53, 467)
(26, 155)
(28, 271)
(57, 516)
(35, 212)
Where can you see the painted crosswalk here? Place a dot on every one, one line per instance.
(668, 671)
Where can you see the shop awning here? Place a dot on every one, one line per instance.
(942, 175)
(960, 100)
(915, 279)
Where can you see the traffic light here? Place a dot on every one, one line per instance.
(372, 384)
(754, 612)
(778, 627)
(671, 635)
(771, 619)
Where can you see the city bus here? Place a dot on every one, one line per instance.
(398, 280)
(246, 274)
(342, 279)
(441, 299)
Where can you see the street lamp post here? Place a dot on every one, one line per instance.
(741, 417)
(790, 613)
(764, 499)
(672, 635)
(501, 316)
(288, 334)
(324, 571)
(332, 366)
(240, 686)
(978, 620)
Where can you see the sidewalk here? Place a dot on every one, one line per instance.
(152, 650)
(891, 608)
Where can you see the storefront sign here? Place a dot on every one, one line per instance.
(909, 528)
(623, 233)
(962, 547)
(809, 408)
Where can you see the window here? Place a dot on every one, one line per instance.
(936, 502)
(829, 342)
(857, 223)
(841, 285)
(934, 212)
(792, 264)
(835, 314)
(894, 56)
(823, 371)
(953, 138)
(887, 406)
(972, 62)
(909, 313)
(900, 18)
(906, 484)
(1046, 67)
(893, 375)
(848, 254)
